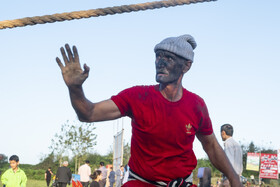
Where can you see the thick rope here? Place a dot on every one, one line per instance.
(94, 13)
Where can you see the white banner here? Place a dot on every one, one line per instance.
(118, 150)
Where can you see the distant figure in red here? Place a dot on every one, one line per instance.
(165, 118)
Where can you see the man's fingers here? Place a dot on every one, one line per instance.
(86, 70)
(64, 55)
(76, 55)
(69, 52)
(59, 63)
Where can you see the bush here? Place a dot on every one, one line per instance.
(35, 174)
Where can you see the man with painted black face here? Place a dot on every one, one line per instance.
(165, 117)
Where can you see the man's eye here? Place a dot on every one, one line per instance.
(169, 58)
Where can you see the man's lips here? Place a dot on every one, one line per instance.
(161, 73)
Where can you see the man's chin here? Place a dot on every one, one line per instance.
(159, 80)
(163, 82)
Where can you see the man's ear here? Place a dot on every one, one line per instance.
(187, 66)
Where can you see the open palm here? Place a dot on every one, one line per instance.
(72, 72)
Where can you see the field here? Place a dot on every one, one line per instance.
(34, 183)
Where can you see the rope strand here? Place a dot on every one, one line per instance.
(94, 13)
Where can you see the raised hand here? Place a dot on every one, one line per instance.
(72, 72)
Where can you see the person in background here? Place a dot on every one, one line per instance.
(204, 175)
(85, 172)
(103, 170)
(218, 182)
(233, 151)
(96, 177)
(112, 176)
(126, 174)
(48, 176)
(14, 177)
(63, 175)
(119, 176)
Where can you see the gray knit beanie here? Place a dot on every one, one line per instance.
(182, 46)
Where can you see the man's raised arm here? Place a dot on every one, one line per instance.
(218, 158)
(74, 77)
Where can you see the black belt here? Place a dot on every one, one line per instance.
(180, 182)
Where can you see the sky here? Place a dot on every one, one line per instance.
(235, 70)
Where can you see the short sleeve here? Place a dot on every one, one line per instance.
(123, 101)
(205, 124)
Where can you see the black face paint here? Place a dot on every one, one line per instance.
(168, 68)
(161, 64)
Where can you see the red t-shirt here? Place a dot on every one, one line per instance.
(162, 131)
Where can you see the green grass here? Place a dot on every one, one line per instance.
(34, 183)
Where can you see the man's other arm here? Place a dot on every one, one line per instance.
(69, 173)
(57, 174)
(89, 171)
(218, 158)
(79, 171)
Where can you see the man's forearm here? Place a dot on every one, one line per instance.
(218, 158)
(80, 103)
(220, 161)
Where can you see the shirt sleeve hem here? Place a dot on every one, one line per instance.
(115, 100)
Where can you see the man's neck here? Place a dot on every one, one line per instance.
(15, 170)
(172, 92)
(228, 137)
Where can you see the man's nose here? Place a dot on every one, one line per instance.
(161, 62)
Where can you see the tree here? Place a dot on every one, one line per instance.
(76, 138)
(3, 161)
(126, 153)
(59, 144)
(81, 138)
(47, 161)
(96, 158)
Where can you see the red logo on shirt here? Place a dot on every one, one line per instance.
(189, 127)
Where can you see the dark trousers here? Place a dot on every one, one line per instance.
(48, 182)
(102, 183)
(62, 184)
(112, 184)
(85, 184)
